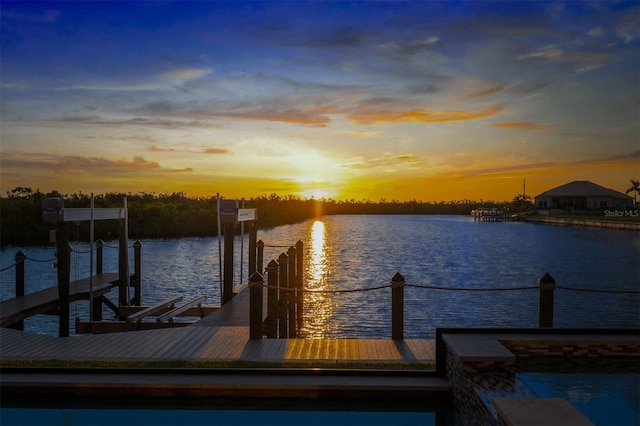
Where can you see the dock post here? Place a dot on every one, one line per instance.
(283, 296)
(545, 303)
(99, 256)
(397, 306)
(299, 281)
(123, 288)
(256, 281)
(253, 236)
(137, 272)
(19, 259)
(292, 294)
(260, 256)
(227, 287)
(97, 301)
(63, 254)
(272, 300)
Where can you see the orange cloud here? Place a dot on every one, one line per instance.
(154, 148)
(215, 151)
(523, 126)
(422, 116)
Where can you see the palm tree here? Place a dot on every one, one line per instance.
(635, 188)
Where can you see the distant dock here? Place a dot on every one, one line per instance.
(494, 215)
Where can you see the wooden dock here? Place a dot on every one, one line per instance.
(223, 335)
(302, 369)
(48, 300)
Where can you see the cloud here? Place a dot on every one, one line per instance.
(215, 151)
(627, 28)
(583, 60)
(613, 162)
(596, 32)
(549, 51)
(384, 161)
(294, 116)
(523, 126)
(407, 48)
(81, 165)
(163, 81)
(372, 116)
(499, 89)
(154, 148)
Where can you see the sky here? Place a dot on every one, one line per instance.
(421, 100)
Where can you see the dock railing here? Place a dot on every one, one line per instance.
(285, 313)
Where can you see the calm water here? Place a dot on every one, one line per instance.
(356, 252)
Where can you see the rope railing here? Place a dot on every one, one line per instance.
(40, 260)
(591, 290)
(285, 301)
(352, 290)
(6, 268)
(430, 287)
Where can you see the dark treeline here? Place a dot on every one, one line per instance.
(178, 215)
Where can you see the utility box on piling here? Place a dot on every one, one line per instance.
(53, 210)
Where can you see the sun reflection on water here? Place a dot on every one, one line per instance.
(317, 306)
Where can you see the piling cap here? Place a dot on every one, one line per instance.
(397, 278)
(256, 277)
(546, 279)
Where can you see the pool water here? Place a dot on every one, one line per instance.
(606, 399)
(110, 417)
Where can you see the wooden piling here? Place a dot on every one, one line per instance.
(137, 272)
(99, 256)
(63, 254)
(271, 326)
(260, 256)
(227, 288)
(547, 285)
(123, 267)
(253, 236)
(299, 282)
(283, 296)
(292, 295)
(397, 306)
(19, 259)
(256, 281)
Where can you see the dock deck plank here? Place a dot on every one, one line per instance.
(43, 301)
(222, 335)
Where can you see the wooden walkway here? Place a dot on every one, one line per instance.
(223, 335)
(47, 300)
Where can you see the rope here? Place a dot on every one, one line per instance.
(6, 268)
(266, 245)
(430, 287)
(40, 260)
(599, 291)
(353, 290)
(116, 247)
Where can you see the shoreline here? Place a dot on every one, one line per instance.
(594, 223)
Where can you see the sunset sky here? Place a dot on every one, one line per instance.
(366, 100)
